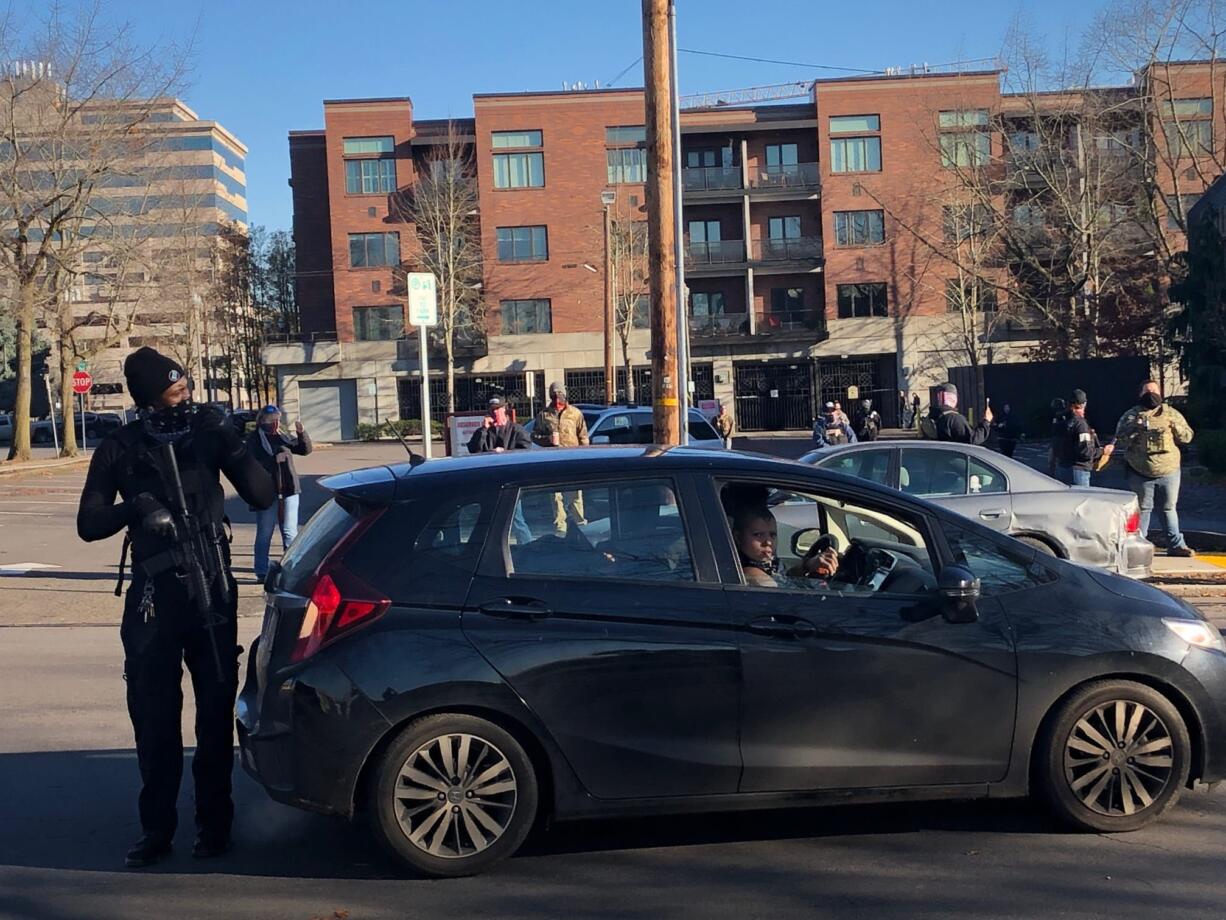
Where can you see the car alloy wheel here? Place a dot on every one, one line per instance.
(1113, 757)
(455, 796)
(1119, 758)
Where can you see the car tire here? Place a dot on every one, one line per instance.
(1040, 544)
(1114, 757)
(484, 817)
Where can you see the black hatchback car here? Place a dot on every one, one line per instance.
(461, 647)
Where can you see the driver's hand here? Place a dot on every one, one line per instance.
(823, 565)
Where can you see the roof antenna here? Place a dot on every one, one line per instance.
(414, 459)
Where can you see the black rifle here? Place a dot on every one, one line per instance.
(203, 558)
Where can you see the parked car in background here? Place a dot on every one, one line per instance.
(1087, 525)
(6, 427)
(97, 426)
(441, 654)
(620, 425)
(243, 420)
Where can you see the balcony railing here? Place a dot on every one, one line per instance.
(772, 321)
(786, 176)
(795, 249)
(715, 253)
(467, 343)
(294, 338)
(711, 178)
(720, 324)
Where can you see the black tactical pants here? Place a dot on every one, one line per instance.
(154, 652)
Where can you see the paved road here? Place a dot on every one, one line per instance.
(67, 810)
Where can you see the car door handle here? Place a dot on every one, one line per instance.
(991, 514)
(790, 629)
(527, 608)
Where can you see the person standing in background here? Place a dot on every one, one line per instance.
(274, 450)
(1007, 430)
(723, 424)
(950, 424)
(1080, 448)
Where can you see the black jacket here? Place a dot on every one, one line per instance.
(1081, 447)
(129, 461)
(280, 463)
(511, 436)
(953, 427)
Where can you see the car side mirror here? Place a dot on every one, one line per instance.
(959, 591)
(803, 540)
(600, 439)
(272, 581)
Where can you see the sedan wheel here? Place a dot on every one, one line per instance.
(455, 794)
(1116, 758)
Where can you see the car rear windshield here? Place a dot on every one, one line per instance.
(322, 532)
(701, 430)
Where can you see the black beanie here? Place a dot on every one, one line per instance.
(149, 374)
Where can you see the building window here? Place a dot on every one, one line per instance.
(378, 324)
(640, 316)
(1177, 208)
(859, 300)
(963, 142)
(516, 139)
(358, 146)
(854, 124)
(782, 160)
(370, 177)
(522, 244)
(518, 170)
(1188, 126)
(859, 228)
(525, 317)
(374, 250)
(784, 228)
(695, 159)
(626, 165)
(626, 136)
(970, 297)
(787, 300)
(855, 154)
(962, 221)
(707, 304)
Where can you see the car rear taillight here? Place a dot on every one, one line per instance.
(340, 603)
(1133, 524)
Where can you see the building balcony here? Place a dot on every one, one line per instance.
(803, 249)
(795, 325)
(720, 257)
(711, 178)
(465, 343)
(787, 181)
(301, 348)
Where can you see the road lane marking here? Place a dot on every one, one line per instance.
(23, 568)
(32, 513)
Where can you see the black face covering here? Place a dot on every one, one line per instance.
(1151, 400)
(170, 423)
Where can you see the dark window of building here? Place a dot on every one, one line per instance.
(626, 165)
(378, 324)
(370, 177)
(965, 141)
(857, 300)
(358, 146)
(854, 124)
(522, 244)
(524, 317)
(1177, 208)
(1188, 126)
(704, 231)
(625, 135)
(784, 228)
(859, 228)
(787, 300)
(781, 158)
(970, 297)
(515, 139)
(518, 170)
(962, 221)
(855, 154)
(640, 315)
(373, 250)
(707, 304)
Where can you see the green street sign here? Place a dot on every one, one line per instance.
(81, 365)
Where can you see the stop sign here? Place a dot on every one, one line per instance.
(81, 382)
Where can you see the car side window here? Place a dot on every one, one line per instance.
(624, 530)
(985, 479)
(619, 429)
(927, 472)
(1000, 570)
(873, 465)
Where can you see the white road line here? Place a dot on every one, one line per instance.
(32, 513)
(33, 501)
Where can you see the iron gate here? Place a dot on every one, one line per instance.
(472, 394)
(774, 396)
(874, 377)
(587, 386)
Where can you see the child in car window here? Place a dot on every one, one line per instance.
(756, 535)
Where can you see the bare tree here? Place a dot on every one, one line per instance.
(442, 205)
(70, 120)
(628, 261)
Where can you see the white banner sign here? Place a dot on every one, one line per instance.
(423, 299)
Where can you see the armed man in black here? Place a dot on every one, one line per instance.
(182, 603)
(952, 426)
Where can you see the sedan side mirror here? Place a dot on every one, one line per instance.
(600, 439)
(959, 590)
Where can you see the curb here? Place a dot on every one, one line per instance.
(10, 468)
(1206, 541)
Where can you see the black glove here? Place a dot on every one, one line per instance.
(209, 417)
(151, 516)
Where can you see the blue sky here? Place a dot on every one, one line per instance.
(263, 67)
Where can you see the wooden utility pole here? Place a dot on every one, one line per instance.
(661, 230)
(610, 381)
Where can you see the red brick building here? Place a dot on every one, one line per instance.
(805, 229)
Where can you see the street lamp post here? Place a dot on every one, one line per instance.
(610, 390)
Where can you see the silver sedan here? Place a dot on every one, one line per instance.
(1091, 526)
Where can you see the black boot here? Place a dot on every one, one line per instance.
(208, 845)
(146, 851)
